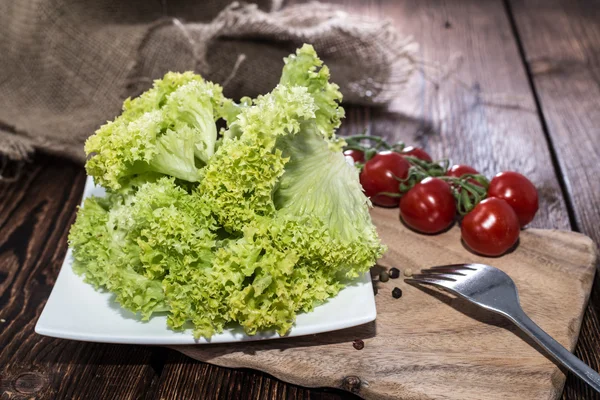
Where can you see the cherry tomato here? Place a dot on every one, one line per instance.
(518, 192)
(416, 152)
(459, 170)
(357, 155)
(491, 228)
(429, 206)
(381, 174)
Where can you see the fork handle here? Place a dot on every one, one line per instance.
(556, 350)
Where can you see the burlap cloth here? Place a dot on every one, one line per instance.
(67, 65)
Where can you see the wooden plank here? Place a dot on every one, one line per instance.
(186, 378)
(561, 40)
(561, 44)
(428, 345)
(36, 212)
(484, 115)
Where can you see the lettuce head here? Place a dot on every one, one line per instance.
(249, 228)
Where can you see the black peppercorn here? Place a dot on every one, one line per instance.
(397, 293)
(358, 344)
(394, 273)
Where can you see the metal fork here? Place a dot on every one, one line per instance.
(492, 289)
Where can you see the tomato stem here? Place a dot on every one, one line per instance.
(354, 147)
(398, 147)
(356, 139)
(468, 190)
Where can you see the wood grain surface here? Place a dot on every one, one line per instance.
(476, 107)
(560, 41)
(430, 345)
(35, 215)
(562, 51)
(525, 69)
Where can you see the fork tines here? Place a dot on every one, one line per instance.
(442, 275)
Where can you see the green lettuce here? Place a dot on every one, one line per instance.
(304, 218)
(306, 69)
(169, 130)
(128, 244)
(249, 228)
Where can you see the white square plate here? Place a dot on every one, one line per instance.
(76, 311)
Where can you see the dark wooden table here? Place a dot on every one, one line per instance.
(516, 86)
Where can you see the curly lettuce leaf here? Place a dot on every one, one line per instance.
(128, 244)
(258, 280)
(168, 130)
(108, 258)
(306, 69)
(239, 180)
(274, 280)
(331, 194)
(91, 241)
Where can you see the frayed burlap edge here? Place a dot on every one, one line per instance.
(398, 53)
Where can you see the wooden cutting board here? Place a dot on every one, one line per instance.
(428, 345)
